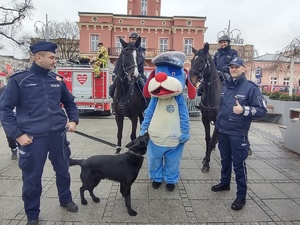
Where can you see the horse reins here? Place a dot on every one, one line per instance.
(200, 78)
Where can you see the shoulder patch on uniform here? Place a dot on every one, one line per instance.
(18, 73)
(255, 84)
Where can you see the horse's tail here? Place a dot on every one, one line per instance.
(74, 162)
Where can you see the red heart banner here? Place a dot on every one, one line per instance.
(81, 78)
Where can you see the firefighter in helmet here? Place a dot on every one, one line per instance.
(101, 59)
(133, 36)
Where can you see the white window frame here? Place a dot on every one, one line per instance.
(119, 46)
(286, 81)
(163, 44)
(188, 44)
(144, 6)
(94, 40)
(143, 42)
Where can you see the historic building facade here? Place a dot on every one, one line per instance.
(158, 33)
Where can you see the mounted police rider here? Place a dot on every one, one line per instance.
(224, 55)
(133, 36)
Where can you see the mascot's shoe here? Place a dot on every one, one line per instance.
(238, 204)
(170, 187)
(220, 187)
(71, 206)
(155, 184)
(33, 222)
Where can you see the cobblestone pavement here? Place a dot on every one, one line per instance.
(273, 184)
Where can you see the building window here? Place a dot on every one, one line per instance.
(188, 44)
(143, 42)
(94, 42)
(286, 81)
(118, 44)
(273, 80)
(144, 8)
(163, 44)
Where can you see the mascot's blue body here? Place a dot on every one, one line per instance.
(167, 118)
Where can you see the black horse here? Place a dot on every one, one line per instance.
(203, 70)
(128, 100)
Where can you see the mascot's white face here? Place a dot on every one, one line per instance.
(166, 85)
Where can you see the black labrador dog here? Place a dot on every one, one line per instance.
(123, 168)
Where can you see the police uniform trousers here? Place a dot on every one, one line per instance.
(234, 152)
(164, 162)
(31, 162)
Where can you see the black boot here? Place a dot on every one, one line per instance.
(14, 153)
(112, 88)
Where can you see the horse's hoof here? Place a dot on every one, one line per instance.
(118, 149)
(205, 169)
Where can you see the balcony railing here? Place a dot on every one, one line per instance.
(150, 52)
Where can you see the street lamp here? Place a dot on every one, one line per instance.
(235, 35)
(44, 28)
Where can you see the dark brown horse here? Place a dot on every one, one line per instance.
(128, 100)
(203, 70)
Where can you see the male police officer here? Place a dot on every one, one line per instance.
(133, 36)
(241, 101)
(40, 126)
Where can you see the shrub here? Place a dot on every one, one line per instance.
(275, 95)
(285, 97)
(296, 98)
(264, 92)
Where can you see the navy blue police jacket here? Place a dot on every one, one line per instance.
(37, 94)
(223, 57)
(141, 60)
(249, 96)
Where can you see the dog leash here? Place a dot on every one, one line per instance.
(95, 139)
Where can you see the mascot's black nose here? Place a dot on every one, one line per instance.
(161, 77)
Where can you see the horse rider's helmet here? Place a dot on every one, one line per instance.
(224, 38)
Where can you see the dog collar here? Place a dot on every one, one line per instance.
(134, 153)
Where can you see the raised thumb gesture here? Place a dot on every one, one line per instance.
(237, 109)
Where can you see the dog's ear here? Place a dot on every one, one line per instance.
(141, 141)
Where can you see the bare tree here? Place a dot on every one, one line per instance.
(66, 35)
(12, 14)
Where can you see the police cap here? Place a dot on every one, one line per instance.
(43, 46)
(173, 58)
(237, 62)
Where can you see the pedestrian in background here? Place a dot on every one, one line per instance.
(40, 126)
(241, 101)
(12, 143)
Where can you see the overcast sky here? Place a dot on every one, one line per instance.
(270, 25)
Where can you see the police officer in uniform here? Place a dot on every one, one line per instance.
(224, 55)
(241, 101)
(133, 36)
(12, 143)
(40, 127)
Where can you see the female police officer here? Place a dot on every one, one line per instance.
(39, 126)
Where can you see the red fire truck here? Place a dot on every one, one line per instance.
(90, 92)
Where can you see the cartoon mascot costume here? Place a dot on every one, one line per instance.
(167, 118)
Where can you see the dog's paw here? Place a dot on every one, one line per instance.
(96, 199)
(132, 212)
(84, 202)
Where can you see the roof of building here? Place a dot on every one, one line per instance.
(274, 57)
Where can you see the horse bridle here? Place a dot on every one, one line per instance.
(200, 74)
(126, 69)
